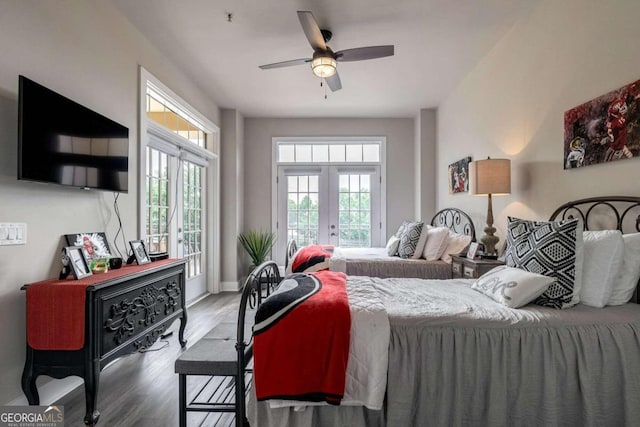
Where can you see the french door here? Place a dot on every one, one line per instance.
(326, 204)
(175, 211)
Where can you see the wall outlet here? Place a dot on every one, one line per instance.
(13, 233)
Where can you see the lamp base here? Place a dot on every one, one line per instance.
(489, 256)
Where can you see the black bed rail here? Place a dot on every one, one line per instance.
(258, 285)
(599, 213)
(605, 213)
(456, 220)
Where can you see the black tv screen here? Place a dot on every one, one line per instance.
(63, 142)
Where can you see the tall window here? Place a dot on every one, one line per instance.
(192, 217)
(166, 113)
(157, 201)
(354, 210)
(302, 208)
(179, 161)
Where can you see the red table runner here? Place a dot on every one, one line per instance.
(56, 308)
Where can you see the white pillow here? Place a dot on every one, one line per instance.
(603, 252)
(457, 243)
(417, 254)
(437, 241)
(392, 245)
(512, 287)
(289, 269)
(627, 279)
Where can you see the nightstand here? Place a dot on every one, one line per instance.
(465, 268)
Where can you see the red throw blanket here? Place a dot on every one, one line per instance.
(301, 339)
(312, 258)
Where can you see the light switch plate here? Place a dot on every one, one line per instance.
(13, 233)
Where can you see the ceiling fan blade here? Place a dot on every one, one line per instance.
(286, 63)
(362, 53)
(311, 30)
(334, 82)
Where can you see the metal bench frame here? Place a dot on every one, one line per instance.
(200, 359)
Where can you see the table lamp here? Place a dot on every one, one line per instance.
(490, 177)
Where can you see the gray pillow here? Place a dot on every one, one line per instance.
(409, 239)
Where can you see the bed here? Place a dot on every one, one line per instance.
(457, 358)
(375, 262)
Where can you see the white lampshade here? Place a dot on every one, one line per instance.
(323, 66)
(490, 176)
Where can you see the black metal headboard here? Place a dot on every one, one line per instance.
(605, 213)
(456, 220)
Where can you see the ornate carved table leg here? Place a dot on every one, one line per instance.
(29, 380)
(91, 381)
(183, 325)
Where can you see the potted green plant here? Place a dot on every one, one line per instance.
(258, 244)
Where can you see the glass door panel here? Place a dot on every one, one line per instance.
(303, 208)
(354, 210)
(192, 233)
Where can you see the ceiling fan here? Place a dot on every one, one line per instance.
(324, 60)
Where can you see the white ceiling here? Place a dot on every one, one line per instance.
(437, 43)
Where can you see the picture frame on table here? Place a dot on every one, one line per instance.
(77, 262)
(472, 251)
(140, 252)
(94, 244)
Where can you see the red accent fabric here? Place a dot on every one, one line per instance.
(56, 308)
(312, 258)
(304, 355)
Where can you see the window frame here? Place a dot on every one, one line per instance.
(154, 135)
(381, 140)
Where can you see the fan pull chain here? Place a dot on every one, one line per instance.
(324, 86)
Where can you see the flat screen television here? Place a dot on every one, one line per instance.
(63, 142)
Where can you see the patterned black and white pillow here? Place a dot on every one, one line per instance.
(552, 248)
(409, 239)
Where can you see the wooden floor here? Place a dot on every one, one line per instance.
(142, 389)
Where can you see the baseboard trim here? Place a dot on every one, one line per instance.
(229, 286)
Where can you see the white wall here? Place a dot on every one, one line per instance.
(400, 134)
(88, 52)
(232, 168)
(425, 158)
(512, 105)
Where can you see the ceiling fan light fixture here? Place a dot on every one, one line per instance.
(323, 66)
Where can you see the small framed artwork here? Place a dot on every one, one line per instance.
(459, 176)
(140, 252)
(77, 262)
(473, 250)
(94, 244)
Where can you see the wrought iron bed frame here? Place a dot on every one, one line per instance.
(589, 210)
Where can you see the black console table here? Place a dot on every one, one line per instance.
(125, 310)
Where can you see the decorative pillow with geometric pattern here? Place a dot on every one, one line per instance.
(551, 248)
(409, 239)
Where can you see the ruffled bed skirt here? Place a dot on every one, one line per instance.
(577, 375)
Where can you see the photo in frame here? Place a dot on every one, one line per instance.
(459, 176)
(472, 251)
(140, 252)
(77, 262)
(94, 244)
(604, 129)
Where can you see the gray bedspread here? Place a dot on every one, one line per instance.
(375, 262)
(456, 358)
